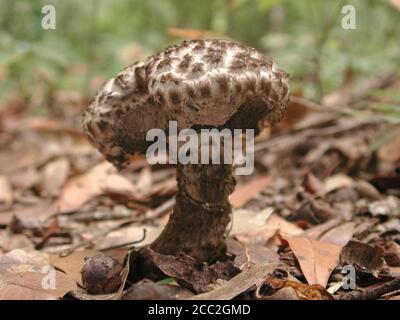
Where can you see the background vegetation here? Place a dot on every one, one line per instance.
(94, 39)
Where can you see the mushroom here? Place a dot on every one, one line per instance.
(199, 84)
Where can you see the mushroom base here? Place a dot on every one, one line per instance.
(201, 214)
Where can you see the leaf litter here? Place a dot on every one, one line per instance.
(324, 195)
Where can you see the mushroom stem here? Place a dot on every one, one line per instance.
(201, 213)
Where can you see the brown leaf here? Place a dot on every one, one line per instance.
(100, 180)
(384, 182)
(301, 290)
(316, 211)
(245, 193)
(10, 241)
(286, 293)
(29, 286)
(339, 235)
(238, 284)
(363, 256)
(23, 276)
(392, 253)
(244, 221)
(148, 290)
(317, 231)
(312, 184)
(317, 259)
(189, 273)
(247, 255)
(21, 261)
(269, 229)
(72, 264)
(39, 211)
(6, 192)
(390, 152)
(53, 176)
(144, 181)
(337, 181)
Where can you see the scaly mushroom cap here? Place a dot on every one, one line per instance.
(200, 83)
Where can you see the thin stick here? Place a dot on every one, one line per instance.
(373, 292)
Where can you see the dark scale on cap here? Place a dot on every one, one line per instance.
(254, 63)
(191, 92)
(121, 81)
(242, 56)
(168, 50)
(223, 83)
(164, 78)
(164, 64)
(90, 128)
(237, 64)
(213, 58)
(191, 106)
(238, 87)
(251, 85)
(140, 77)
(205, 90)
(160, 97)
(119, 112)
(102, 97)
(174, 97)
(222, 45)
(103, 125)
(285, 91)
(151, 100)
(265, 86)
(185, 63)
(197, 67)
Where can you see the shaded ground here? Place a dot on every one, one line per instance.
(324, 199)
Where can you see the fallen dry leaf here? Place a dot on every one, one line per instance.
(244, 220)
(247, 255)
(302, 291)
(6, 192)
(144, 181)
(339, 235)
(337, 181)
(363, 256)
(40, 211)
(72, 264)
(245, 193)
(10, 241)
(53, 176)
(21, 261)
(262, 234)
(238, 284)
(317, 231)
(317, 259)
(29, 276)
(189, 273)
(99, 180)
(149, 290)
(32, 285)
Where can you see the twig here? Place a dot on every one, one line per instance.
(149, 215)
(373, 292)
(84, 243)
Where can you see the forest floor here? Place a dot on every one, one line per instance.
(318, 218)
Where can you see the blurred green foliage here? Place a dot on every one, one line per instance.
(94, 39)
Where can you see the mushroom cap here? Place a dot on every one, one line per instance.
(199, 83)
